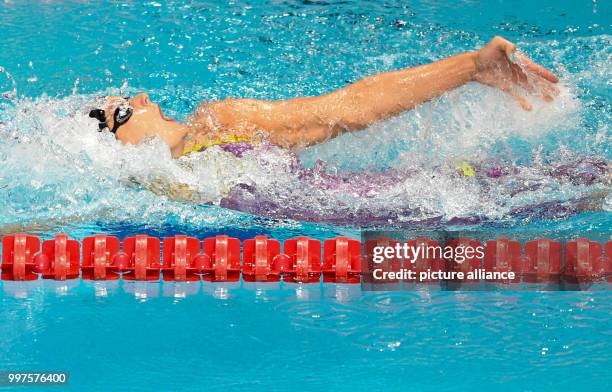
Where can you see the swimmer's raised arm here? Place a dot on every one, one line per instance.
(309, 120)
(305, 121)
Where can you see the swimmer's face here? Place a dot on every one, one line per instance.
(147, 120)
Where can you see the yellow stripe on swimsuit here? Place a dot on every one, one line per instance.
(217, 142)
(466, 169)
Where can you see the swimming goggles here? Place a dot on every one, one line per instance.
(122, 114)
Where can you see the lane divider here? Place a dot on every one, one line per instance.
(302, 259)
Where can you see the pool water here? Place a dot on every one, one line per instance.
(58, 175)
(310, 338)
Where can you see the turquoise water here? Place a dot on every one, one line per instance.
(56, 174)
(314, 338)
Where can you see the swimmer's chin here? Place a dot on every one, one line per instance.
(168, 119)
(163, 117)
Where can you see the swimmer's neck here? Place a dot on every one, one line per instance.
(186, 139)
(181, 139)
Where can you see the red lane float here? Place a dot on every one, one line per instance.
(342, 260)
(59, 258)
(18, 257)
(584, 261)
(542, 261)
(180, 261)
(261, 263)
(503, 255)
(141, 255)
(221, 259)
(609, 261)
(304, 260)
(471, 261)
(429, 257)
(99, 253)
(23, 258)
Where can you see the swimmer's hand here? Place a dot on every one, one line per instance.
(498, 65)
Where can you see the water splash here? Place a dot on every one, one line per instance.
(10, 94)
(54, 166)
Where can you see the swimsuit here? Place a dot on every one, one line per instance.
(232, 144)
(239, 145)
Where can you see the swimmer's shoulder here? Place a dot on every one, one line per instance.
(218, 121)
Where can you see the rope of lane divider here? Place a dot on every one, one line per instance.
(302, 259)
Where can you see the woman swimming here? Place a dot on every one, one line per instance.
(300, 122)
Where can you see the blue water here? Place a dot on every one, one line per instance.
(57, 174)
(312, 338)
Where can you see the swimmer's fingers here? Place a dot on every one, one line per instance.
(545, 89)
(534, 84)
(518, 97)
(520, 78)
(522, 101)
(536, 68)
(540, 87)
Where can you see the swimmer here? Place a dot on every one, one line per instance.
(234, 124)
